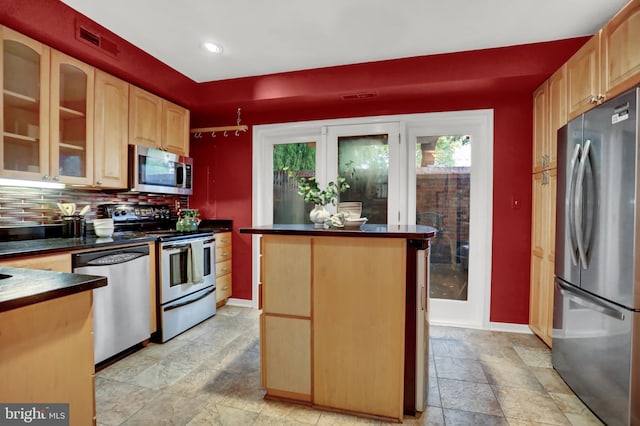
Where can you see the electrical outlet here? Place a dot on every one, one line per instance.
(515, 202)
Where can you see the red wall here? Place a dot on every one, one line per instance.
(227, 191)
(222, 190)
(502, 79)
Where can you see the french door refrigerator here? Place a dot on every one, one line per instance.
(596, 315)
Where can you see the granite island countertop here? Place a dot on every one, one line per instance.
(366, 231)
(21, 287)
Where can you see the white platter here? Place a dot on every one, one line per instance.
(355, 223)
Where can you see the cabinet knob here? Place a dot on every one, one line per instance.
(57, 178)
(46, 177)
(99, 182)
(593, 100)
(600, 98)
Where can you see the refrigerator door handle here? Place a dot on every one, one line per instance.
(578, 203)
(589, 301)
(570, 208)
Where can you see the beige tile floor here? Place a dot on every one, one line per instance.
(210, 375)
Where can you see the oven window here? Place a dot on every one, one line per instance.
(178, 268)
(207, 261)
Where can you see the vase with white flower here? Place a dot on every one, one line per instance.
(310, 190)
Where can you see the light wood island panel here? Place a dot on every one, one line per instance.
(333, 322)
(358, 324)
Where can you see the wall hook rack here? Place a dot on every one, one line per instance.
(198, 132)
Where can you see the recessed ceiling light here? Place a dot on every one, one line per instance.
(213, 47)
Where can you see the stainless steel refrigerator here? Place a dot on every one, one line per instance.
(596, 315)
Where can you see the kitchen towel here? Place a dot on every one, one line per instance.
(197, 262)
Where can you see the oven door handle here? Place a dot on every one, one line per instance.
(177, 247)
(188, 302)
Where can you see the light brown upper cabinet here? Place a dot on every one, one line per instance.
(157, 123)
(24, 75)
(111, 134)
(608, 64)
(620, 46)
(549, 114)
(583, 78)
(145, 118)
(557, 113)
(540, 125)
(175, 130)
(71, 120)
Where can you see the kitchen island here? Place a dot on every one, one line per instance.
(340, 309)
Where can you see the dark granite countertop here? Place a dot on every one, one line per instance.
(11, 249)
(28, 286)
(373, 230)
(21, 287)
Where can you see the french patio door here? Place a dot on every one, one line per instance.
(449, 159)
(392, 169)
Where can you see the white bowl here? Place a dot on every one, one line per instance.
(353, 209)
(107, 226)
(103, 233)
(102, 222)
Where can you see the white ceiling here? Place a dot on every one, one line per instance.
(265, 37)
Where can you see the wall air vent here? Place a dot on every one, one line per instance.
(87, 35)
(91, 37)
(356, 96)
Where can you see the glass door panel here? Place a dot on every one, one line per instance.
(368, 156)
(292, 160)
(364, 162)
(25, 66)
(443, 191)
(72, 120)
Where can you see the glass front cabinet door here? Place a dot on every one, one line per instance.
(71, 114)
(25, 104)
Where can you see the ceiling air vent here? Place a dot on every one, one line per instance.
(96, 40)
(356, 96)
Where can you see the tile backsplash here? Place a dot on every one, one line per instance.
(32, 206)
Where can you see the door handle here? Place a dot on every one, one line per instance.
(570, 207)
(590, 302)
(578, 202)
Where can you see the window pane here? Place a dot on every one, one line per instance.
(364, 161)
(289, 161)
(443, 176)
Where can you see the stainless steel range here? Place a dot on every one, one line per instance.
(185, 265)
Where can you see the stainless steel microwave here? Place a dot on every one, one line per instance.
(160, 172)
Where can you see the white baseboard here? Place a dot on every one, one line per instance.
(493, 326)
(455, 324)
(510, 328)
(243, 303)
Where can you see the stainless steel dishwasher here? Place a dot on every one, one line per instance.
(121, 309)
